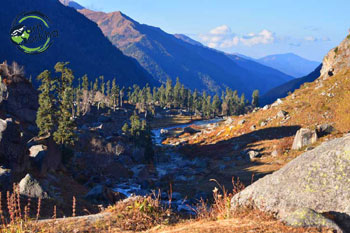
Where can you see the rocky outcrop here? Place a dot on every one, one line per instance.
(13, 150)
(101, 193)
(304, 137)
(30, 187)
(337, 59)
(318, 179)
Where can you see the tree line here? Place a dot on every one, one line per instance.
(60, 102)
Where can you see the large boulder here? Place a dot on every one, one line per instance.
(304, 137)
(318, 179)
(13, 150)
(30, 187)
(305, 217)
(102, 194)
(5, 179)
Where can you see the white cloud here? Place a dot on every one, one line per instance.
(315, 39)
(221, 30)
(263, 37)
(222, 37)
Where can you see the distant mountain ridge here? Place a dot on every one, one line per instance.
(283, 90)
(290, 64)
(72, 4)
(80, 42)
(169, 56)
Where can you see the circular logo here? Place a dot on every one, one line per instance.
(31, 32)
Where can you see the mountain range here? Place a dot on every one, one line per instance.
(165, 56)
(289, 63)
(79, 41)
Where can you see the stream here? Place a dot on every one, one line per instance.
(170, 165)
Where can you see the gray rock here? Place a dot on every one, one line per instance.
(317, 179)
(228, 121)
(324, 129)
(274, 153)
(305, 217)
(282, 114)
(263, 123)
(101, 193)
(253, 127)
(304, 137)
(35, 151)
(241, 122)
(30, 187)
(5, 179)
(253, 154)
(266, 107)
(191, 130)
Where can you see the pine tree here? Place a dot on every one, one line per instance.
(169, 91)
(255, 98)
(65, 130)
(46, 118)
(95, 86)
(216, 105)
(65, 133)
(85, 84)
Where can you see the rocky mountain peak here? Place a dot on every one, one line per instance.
(337, 59)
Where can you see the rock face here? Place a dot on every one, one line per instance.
(337, 59)
(13, 151)
(303, 138)
(318, 179)
(305, 217)
(30, 187)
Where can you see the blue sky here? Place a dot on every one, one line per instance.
(255, 28)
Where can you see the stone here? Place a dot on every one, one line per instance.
(228, 121)
(253, 127)
(34, 151)
(266, 107)
(30, 187)
(191, 130)
(241, 122)
(253, 154)
(101, 193)
(318, 179)
(304, 137)
(5, 179)
(282, 114)
(274, 153)
(164, 131)
(305, 217)
(276, 103)
(263, 123)
(324, 129)
(13, 149)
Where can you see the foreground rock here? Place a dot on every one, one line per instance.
(318, 179)
(304, 137)
(305, 217)
(30, 187)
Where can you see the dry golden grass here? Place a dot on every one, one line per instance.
(174, 120)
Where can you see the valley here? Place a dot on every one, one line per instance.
(123, 127)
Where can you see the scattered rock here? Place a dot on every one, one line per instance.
(102, 193)
(35, 151)
(282, 114)
(190, 130)
(253, 127)
(241, 122)
(164, 131)
(318, 179)
(305, 217)
(276, 103)
(266, 107)
(229, 121)
(304, 137)
(253, 154)
(30, 187)
(5, 179)
(274, 153)
(263, 123)
(324, 129)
